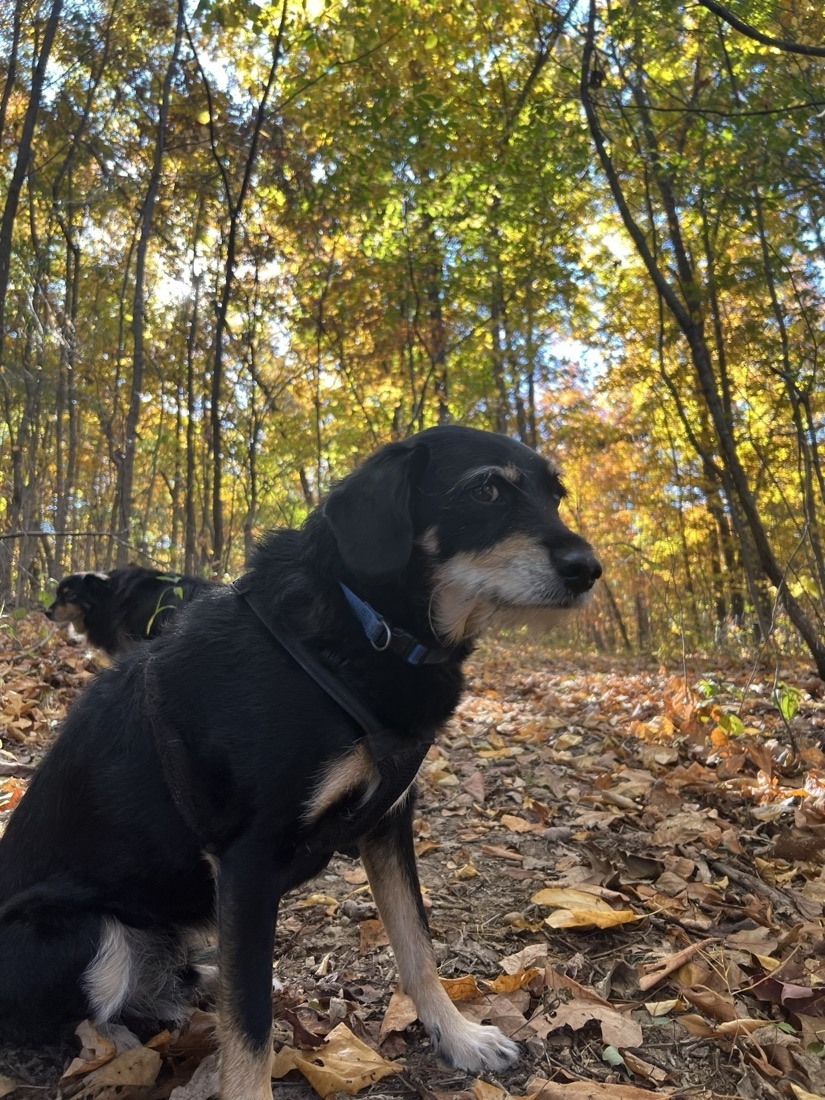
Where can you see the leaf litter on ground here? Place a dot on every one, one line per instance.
(623, 867)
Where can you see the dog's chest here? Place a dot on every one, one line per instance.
(356, 791)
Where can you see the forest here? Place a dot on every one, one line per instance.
(243, 244)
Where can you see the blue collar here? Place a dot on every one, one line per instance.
(382, 636)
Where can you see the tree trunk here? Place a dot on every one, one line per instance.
(21, 166)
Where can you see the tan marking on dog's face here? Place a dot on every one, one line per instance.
(340, 778)
(63, 611)
(429, 541)
(512, 583)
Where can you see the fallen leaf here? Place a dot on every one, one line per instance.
(131, 1073)
(564, 986)
(651, 974)
(541, 1089)
(461, 989)
(96, 1051)
(372, 936)
(591, 918)
(533, 953)
(518, 824)
(803, 1094)
(401, 1012)
(204, 1082)
(506, 983)
(617, 1029)
(644, 1069)
(343, 1064)
(717, 1005)
(566, 897)
(501, 853)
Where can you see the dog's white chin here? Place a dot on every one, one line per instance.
(459, 620)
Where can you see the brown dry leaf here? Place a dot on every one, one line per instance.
(696, 1025)
(460, 989)
(541, 1089)
(96, 1051)
(644, 1069)
(501, 853)
(355, 876)
(343, 1064)
(812, 1028)
(483, 1090)
(798, 1091)
(468, 870)
(567, 897)
(617, 1029)
(7, 1086)
(662, 1008)
(685, 827)
(424, 846)
(743, 1026)
(564, 986)
(798, 998)
(474, 786)
(132, 1073)
(651, 974)
(401, 1012)
(204, 1082)
(519, 824)
(198, 1038)
(591, 918)
(528, 956)
(372, 936)
(716, 1005)
(506, 983)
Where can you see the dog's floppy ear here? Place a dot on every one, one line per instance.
(369, 511)
(96, 584)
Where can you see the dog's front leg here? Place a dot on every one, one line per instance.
(389, 858)
(248, 899)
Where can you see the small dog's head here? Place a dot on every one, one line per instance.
(76, 595)
(483, 511)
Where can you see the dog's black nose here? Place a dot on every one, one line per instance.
(578, 568)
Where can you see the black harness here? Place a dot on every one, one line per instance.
(396, 758)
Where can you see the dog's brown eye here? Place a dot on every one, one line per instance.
(485, 493)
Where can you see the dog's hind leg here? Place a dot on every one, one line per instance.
(389, 858)
(46, 943)
(248, 899)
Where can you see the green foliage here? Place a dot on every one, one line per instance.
(425, 234)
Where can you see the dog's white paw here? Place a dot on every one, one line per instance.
(474, 1047)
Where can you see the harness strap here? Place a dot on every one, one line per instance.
(396, 759)
(391, 751)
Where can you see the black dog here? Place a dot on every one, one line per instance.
(114, 610)
(283, 719)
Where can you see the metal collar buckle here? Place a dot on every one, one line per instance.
(382, 643)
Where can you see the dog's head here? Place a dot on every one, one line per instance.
(76, 595)
(483, 512)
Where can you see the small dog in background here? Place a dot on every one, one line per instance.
(282, 720)
(116, 609)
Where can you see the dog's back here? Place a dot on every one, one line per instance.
(144, 601)
(116, 609)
